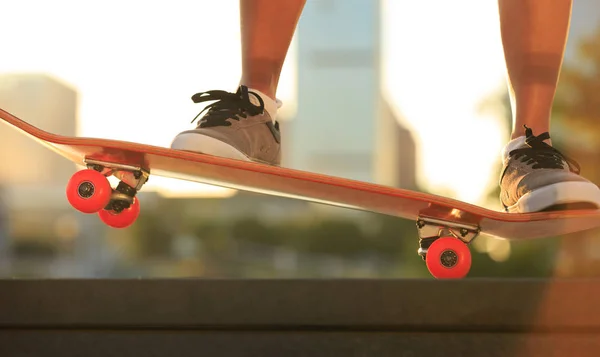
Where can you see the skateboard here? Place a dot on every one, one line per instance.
(445, 226)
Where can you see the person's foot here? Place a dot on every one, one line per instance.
(537, 177)
(235, 126)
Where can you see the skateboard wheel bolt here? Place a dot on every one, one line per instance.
(448, 258)
(86, 189)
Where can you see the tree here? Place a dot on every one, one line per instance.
(577, 107)
(577, 114)
(499, 105)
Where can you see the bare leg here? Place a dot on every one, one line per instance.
(267, 28)
(534, 35)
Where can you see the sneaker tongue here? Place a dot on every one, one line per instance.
(271, 106)
(512, 145)
(253, 99)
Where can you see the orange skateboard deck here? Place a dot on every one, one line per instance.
(445, 226)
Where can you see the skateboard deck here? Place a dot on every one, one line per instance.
(435, 216)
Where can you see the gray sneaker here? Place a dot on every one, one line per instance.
(537, 177)
(235, 126)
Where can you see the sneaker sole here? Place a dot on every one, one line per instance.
(559, 194)
(207, 145)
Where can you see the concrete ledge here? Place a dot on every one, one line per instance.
(414, 305)
(294, 344)
(300, 317)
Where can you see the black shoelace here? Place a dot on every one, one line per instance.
(226, 106)
(541, 155)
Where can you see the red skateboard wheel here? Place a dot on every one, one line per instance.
(448, 258)
(122, 219)
(88, 191)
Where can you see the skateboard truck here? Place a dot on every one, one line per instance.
(89, 191)
(132, 178)
(430, 229)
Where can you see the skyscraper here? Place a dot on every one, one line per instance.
(33, 178)
(343, 125)
(49, 104)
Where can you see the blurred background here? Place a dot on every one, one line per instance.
(401, 93)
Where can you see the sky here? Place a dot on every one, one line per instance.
(137, 63)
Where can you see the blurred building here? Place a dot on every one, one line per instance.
(49, 104)
(343, 125)
(41, 225)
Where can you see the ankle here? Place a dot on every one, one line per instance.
(537, 128)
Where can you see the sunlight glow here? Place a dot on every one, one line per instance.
(497, 249)
(440, 61)
(170, 188)
(137, 67)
